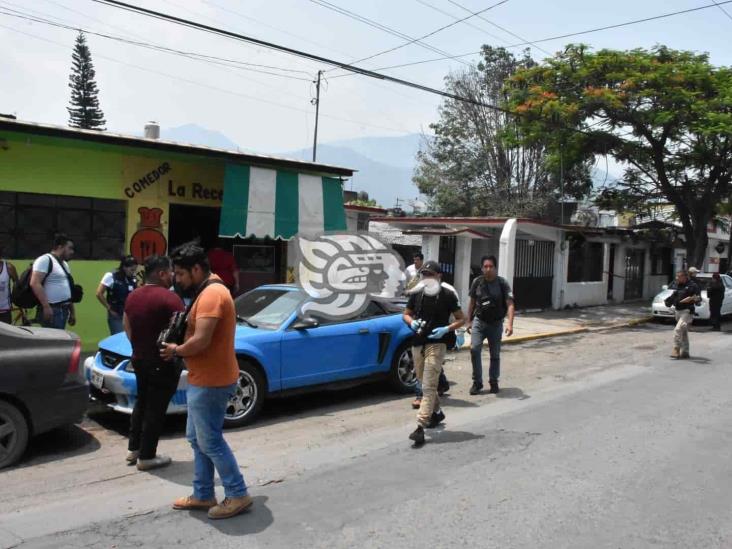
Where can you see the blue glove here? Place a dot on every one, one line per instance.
(415, 324)
(439, 333)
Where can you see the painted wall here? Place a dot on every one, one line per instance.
(585, 294)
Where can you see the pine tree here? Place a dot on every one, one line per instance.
(84, 111)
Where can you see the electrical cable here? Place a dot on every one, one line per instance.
(210, 87)
(559, 37)
(724, 11)
(413, 40)
(377, 25)
(480, 16)
(231, 63)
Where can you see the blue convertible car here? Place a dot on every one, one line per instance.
(279, 354)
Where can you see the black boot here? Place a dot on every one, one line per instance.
(476, 388)
(417, 436)
(494, 387)
(437, 418)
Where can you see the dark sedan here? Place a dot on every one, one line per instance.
(41, 385)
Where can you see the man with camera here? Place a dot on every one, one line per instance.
(213, 374)
(686, 294)
(491, 299)
(147, 312)
(428, 313)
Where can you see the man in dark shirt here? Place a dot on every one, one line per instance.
(148, 310)
(428, 314)
(491, 299)
(683, 299)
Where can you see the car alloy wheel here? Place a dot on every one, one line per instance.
(402, 376)
(13, 434)
(405, 367)
(244, 398)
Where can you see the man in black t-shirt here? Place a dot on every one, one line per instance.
(491, 299)
(428, 314)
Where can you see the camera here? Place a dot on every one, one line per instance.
(176, 330)
(423, 329)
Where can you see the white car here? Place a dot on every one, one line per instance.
(659, 309)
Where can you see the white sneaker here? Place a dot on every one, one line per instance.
(132, 456)
(154, 463)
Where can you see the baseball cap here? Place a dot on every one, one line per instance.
(693, 271)
(431, 266)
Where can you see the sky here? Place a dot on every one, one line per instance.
(272, 112)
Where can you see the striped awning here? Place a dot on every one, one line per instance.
(262, 202)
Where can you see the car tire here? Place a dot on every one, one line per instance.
(14, 434)
(248, 399)
(402, 377)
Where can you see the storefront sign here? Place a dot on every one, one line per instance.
(147, 180)
(196, 190)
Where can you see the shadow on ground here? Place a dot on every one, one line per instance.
(256, 520)
(61, 443)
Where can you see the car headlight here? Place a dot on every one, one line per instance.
(657, 299)
(129, 367)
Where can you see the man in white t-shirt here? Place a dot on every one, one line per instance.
(50, 283)
(413, 270)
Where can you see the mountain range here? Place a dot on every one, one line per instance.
(383, 165)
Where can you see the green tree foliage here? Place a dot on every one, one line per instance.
(84, 111)
(665, 114)
(476, 163)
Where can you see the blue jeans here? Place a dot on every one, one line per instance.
(115, 324)
(493, 331)
(59, 318)
(204, 430)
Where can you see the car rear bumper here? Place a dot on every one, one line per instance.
(65, 406)
(118, 388)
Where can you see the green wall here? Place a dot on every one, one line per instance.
(91, 318)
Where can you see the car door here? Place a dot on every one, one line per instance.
(332, 351)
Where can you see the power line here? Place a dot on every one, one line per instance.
(448, 14)
(454, 3)
(724, 11)
(210, 87)
(413, 40)
(377, 25)
(559, 37)
(231, 63)
(293, 51)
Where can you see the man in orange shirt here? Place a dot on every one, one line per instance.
(213, 373)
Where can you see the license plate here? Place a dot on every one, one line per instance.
(97, 379)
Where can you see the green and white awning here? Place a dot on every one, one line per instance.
(262, 202)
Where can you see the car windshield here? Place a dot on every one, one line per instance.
(268, 308)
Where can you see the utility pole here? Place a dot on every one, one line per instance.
(317, 112)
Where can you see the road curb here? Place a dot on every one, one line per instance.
(571, 331)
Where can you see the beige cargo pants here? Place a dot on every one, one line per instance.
(428, 361)
(681, 332)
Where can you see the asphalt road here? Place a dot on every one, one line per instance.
(599, 440)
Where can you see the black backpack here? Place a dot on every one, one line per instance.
(23, 295)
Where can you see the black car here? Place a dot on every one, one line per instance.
(41, 385)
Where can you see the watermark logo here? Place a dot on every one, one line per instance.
(343, 272)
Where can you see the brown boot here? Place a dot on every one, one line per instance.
(675, 353)
(189, 503)
(230, 507)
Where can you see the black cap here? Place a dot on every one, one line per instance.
(431, 266)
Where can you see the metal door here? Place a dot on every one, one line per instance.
(634, 269)
(533, 274)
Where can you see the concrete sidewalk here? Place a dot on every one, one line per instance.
(530, 326)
